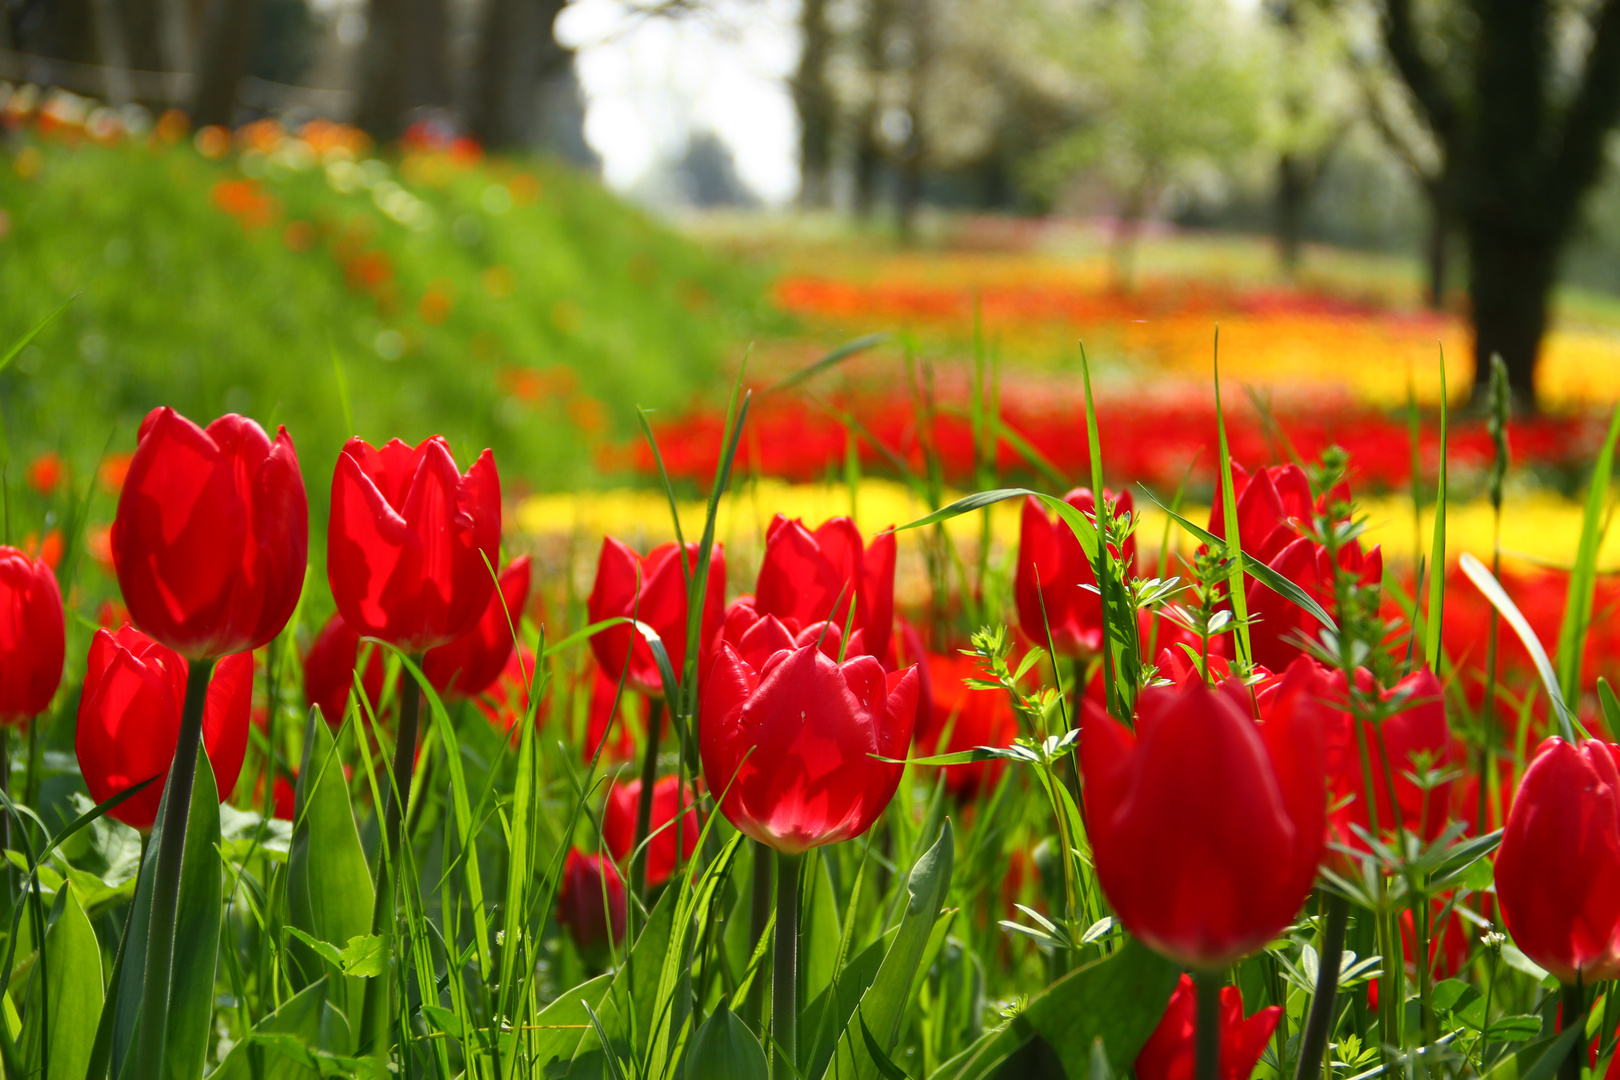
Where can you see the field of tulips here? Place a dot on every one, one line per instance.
(1244, 806)
(328, 757)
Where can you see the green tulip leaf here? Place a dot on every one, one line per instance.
(73, 995)
(724, 1047)
(295, 1041)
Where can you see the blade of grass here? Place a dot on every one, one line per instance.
(1482, 577)
(1435, 612)
(832, 359)
(1233, 542)
(1583, 578)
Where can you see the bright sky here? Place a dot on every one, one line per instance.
(650, 81)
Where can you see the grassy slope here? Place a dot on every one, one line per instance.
(182, 303)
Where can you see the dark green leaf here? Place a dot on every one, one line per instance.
(724, 1047)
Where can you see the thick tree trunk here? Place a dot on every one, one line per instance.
(382, 92)
(517, 49)
(1437, 251)
(813, 99)
(1510, 286)
(227, 33)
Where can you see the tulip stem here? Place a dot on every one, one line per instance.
(1317, 1028)
(1207, 1035)
(397, 797)
(1574, 1012)
(759, 914)
(785, 966)
(153, 1030)
(644, 805)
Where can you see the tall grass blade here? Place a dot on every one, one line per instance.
(1234, 542)
(1583, 578)
(1435, 613)
(1486, 582)
(832, 359)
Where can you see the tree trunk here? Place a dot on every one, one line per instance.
(516, 50)
(813, 99)
(227, 32)
(1293, 189)
(382, 92)
(1438, 249)
(1510, 285)
(426, 55)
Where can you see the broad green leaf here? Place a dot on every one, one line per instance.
(724, 1047)
(292, 1040)
(562, 1024)
(883, 1006)
(1119, 999)
(819, 931)
(819, 1031)
(196, 940)
(73, 977)
(363, 956)
(329, 890)
(1538, 1060)
(1464, 856)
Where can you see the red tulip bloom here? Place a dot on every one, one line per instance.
(794, 745)
(651, 590)
(810, 577)
(590, 901)
(1206, 826)
(129, 719)
(1275, 514)
(469, 664)
(1558, 870)
(619, 824)
(32, 641)
(212, 534)
(329, 670)
(974, 718)
(411, 541)
(1053, 573)
(1171, 1053)
(1416, 739)
(757, 637)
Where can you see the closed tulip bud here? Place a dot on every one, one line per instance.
(973, 718)
(794, 745)
(212, 534)
(1050, 587)
(1171, 1053)
(669, 797)
(468, 665)
(32, 641)
(129, 719)
(651, 590)
(810, 577)
(411, 541)
(1558, 870)
(1206, 826)
(591, 903)
(329, 670)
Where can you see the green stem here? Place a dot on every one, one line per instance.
(785, 967)
(153, 1031)
(31, 784)
(1317, 1028)
(759, 913)
(1574, 1013)
(397, 797)
(649, 777)
(1207, 1034)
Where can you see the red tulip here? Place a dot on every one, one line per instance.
(469, 664)
(1274, 508)
(651, 590)
(284, 797)
(810, 577)
(1206, 826)
(756, 637)
(1558, 870)
(1416, 739)
(32, 639)
(974, 717)
(619, 824)
(792, 744)
(329, 671)
(1053, 571)
(411, 541)
(1171, 1054)
(590, 901)
(506, 700)
(129, 719)
(212, 534)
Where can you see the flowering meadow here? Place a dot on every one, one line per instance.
(338, 759)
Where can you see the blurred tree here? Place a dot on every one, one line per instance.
(813, 99)
(1310, 116)
(517, 51)
(227, 40)
(1173, 93)
(404, 64)
(1520, 96)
